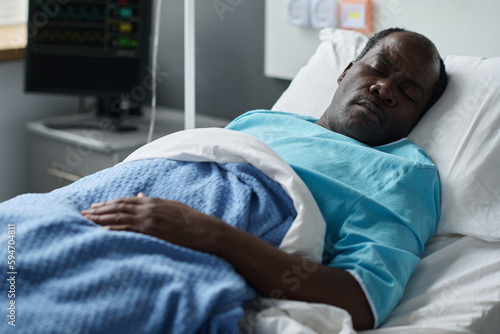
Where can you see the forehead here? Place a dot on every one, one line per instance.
(406, 52)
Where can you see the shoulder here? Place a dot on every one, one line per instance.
(409, 151)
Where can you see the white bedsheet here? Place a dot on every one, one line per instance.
(455, 289)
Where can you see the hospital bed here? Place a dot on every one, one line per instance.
(75, 277)
(456, 287)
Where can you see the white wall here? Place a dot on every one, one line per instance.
(229, 58)
(16, 108)
(463, 27)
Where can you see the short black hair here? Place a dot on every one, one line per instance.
(439, 87)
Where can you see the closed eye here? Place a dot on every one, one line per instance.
(407, 96)
(376, 70)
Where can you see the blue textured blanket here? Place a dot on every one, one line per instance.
(73, 277)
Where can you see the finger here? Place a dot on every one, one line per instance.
(126, 200)
(130, 228)
(141, 195)
(117, 218)
(113, 207)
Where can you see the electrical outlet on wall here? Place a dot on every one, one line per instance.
(298, 12)
(324, 13)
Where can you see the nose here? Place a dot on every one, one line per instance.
(383, 90)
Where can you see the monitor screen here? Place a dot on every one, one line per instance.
(89, 47)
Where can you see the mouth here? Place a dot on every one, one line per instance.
(372, 111)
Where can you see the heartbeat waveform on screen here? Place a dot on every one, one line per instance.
(81, 13)
(89, 37)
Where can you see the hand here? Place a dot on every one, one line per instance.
(168, 220)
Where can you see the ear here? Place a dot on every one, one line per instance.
(345, 71)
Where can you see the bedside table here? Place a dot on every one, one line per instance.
(58, 157)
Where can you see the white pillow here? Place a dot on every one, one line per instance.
(461, 132)
(311, 91)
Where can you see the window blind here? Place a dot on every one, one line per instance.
(13, 12)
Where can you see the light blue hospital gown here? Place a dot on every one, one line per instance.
(381, 204)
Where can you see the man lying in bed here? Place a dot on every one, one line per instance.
(378, 195)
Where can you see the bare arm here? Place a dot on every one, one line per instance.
(272, 272)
